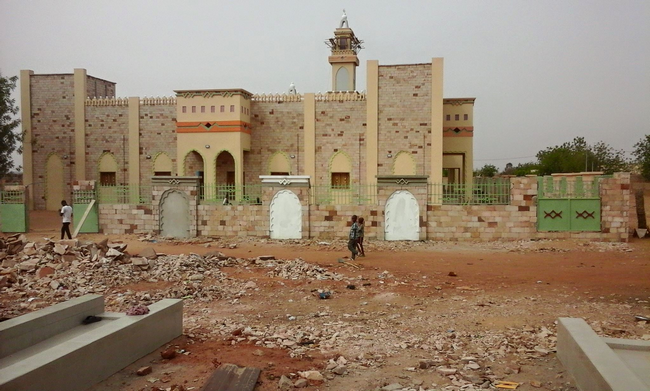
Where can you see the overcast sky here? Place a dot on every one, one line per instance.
(543, 72)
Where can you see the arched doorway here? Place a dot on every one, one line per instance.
(225, 176)
(402, 219)
(286, 216)
(193, 166)
(174, 214)
(54, 183)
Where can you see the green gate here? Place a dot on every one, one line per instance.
(81, 200)
(13, 211)
(568, 204)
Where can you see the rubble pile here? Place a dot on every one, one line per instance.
(298, 269)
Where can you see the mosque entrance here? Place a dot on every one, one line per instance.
(402, 219)
(286, 216)
(174, 214)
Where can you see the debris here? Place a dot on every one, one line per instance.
(452, 274)
(139, 309)
(144, 371)
(509, 385)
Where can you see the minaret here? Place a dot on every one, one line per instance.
(344, 60)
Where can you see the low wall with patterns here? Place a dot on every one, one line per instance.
(516, 221)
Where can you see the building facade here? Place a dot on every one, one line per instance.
(76, 129)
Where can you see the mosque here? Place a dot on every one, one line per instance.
(76, 129)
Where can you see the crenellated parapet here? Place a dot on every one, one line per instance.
(146, 101)
(110, 101)
(277, 98)
(158, 101)
(341, 96)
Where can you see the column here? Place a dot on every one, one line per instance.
(310, 136)
(80, 93)
(26, 121)
(372, 112)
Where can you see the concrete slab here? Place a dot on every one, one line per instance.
(84, 355)
(602, 364)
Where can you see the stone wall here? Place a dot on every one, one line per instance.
(404, 116)
(516, 221)
(157, 135)
(127, 219)
(96, 87)
(52, 128)
(340, 127)
(277, 127)
(107, 131)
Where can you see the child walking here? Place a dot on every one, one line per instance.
(361, 224)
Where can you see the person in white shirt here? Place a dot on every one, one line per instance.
(66, 213)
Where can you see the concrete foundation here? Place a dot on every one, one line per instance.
(51, 349)
(602, 364)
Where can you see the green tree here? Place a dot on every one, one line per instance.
(577, 156)
(642, 155)
(488, 170)
(8, 137)
(523, 169)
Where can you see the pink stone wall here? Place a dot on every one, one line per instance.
(276, 127)
(52, 129)
(340, 127)
(96, 87)
(404, 117)
(107, 130)
(157, 134)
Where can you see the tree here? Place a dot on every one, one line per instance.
(488, 170)
(577, 156)
(642, 154)
(8, 138)
(524, 169)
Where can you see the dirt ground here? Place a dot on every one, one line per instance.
(441, 301)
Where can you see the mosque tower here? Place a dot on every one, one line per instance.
(345, 46)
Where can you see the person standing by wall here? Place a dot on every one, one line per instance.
(66, 214)
(361, 224)
(353, 237)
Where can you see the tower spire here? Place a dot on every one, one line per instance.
(343, 58)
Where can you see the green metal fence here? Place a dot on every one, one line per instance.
(231, 194)
(124, 194)
(12, 197)
(343, 195)
(563, 188)
(489, 192)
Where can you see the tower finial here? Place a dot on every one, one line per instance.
(344, 21)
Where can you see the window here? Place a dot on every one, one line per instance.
(340, 180)
(212, 109)
(448, 118)
(193, 109)
(242, 109)
(279, 173)
(232, 108)
(465, 117)
(184, 109)
(107, 178)
(162, 173)
(203, 109)
(457, 117)
(222, 108)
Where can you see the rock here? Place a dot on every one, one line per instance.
(8, 262)
(446, 371)
(339, 370)
(113, 253)
(44, 271)
(168, 354)
(28, 266)
(301, 383)
(55, 285)
(4, 282)
(266, 257)
(144, 371)
(472, 365)
(285, 383)
(148, 253)
(452, 274)
(60, 248)
(250, 285)
(142, 262)
(535, 384)
(392, 387)
(312, 375)
(424, 364)
(196, 277)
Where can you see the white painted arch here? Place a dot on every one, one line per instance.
(402, 217)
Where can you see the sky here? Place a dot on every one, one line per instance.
(542, 72)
